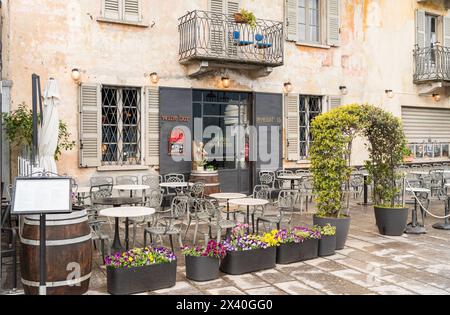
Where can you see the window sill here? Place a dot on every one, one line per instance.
(322, 46)
(122, 22)
(122, 168)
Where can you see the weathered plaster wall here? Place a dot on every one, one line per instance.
(51, 37)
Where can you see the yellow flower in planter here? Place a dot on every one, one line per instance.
(271, 238)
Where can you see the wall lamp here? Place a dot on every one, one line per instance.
(226, 81)
(154, 77)
(76, 75)
(436, 97)
(389, 93)
(343, 89)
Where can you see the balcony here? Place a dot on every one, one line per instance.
(432, 65)
(211, 40)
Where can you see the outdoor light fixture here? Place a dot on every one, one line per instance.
(343, 89)
(226, 82)
(154, 77)
(436, 97)
(76, 75)
(288, 87)
(389, 93)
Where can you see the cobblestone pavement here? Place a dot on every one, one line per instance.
(369, 264)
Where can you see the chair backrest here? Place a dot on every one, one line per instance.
(197, 189)
(101, 180)
(179, 207)
(267, 178)
(127, 180)
(286, 200)
(261, 192)
(174, 178)
(151, 180)
(155, 198)
(356, 181)
(284, 172)
(211, 207)
(308, 183)
(101, 191)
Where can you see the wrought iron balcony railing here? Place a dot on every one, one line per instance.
(432, 64)
(217, 37)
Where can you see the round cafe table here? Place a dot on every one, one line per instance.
(131, 188)
(292, 178)
(249, 202)
(227, 197)
(124, 212)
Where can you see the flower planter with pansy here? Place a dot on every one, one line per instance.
(248, 252)
(202, 262)
(297, 244)
(140, 270)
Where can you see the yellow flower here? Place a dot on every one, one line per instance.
(130, 259)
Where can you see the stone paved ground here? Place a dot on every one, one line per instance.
(369, 264)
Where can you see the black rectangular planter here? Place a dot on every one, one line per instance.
(240, 262)
(202, 268)
(327, 246)
(123, 281)
(295, 252)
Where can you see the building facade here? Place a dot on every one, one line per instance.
(150, 69)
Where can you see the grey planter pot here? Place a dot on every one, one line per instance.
(327, 246)
(342, 228)
(295, 252)
(391, 221)
(142, 279)
(202, 268)
(240, 262)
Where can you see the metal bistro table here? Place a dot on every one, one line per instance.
(125, 212)
(131, 188)
(414, 227)
(228, 197)
(117, 202)
(292, 178)
(249, 202)
(446, 224)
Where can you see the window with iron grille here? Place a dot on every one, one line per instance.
(121, 126)
(310, 108)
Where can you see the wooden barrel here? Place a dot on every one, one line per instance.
(210, 178)
(68, 250)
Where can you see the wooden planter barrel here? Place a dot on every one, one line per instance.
(69, 254)
(210, 178)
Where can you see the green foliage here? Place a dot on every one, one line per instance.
(333, 133)
(249, 17)
(327, 230)
(19, 130)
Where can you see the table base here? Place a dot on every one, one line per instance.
(442, 226)
(410, 229)
(116, 245)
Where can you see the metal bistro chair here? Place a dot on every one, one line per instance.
(195, 195)
(169, 221)
(101, 180)
(356, 185)
(285, 210)
(282, 183)
(259, 192)
(307, 191)
(215, 218)
(9, 251)
(268, 178)
(96, 226)
(153, 182)
(126, 180)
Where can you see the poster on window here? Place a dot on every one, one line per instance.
(176, 142)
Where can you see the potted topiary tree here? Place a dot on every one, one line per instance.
(387, 150)
(333, 133)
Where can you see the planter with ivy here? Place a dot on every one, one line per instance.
(245, 17)
(140, 270)
(297, 244)
(202, 262)
(248, 252)
(327, 242)
(387, 151)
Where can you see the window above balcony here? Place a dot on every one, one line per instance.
(216, 40)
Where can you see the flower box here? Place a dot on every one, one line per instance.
(240, 262)
(327, 245)
(202, 268)
(296, 252)
(122, 281)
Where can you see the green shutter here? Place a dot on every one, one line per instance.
(90, 125)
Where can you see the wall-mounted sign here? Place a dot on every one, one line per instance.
(42, 195)
(177, 141)
(175, 118)
(268, 120)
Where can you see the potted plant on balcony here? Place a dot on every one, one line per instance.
(386, 151)
(297, 244)
(245, 16)
(202, 262)
(140, 270)
(333, 133)
(327, 242)
(248, 252)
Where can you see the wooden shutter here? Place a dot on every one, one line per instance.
(334, 102)
(216, 28)
(291, 8)
(152, 126)
(131, 10)
(333, 22)
(232, 8)
(420, 28)
(217, 6)
(446, 27)
(111, 9)
(292, 126)
(90, 125)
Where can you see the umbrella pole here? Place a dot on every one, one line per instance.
(34, 146)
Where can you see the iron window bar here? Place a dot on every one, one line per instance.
(432, 63)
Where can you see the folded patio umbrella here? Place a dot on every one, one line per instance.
(48, 135)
